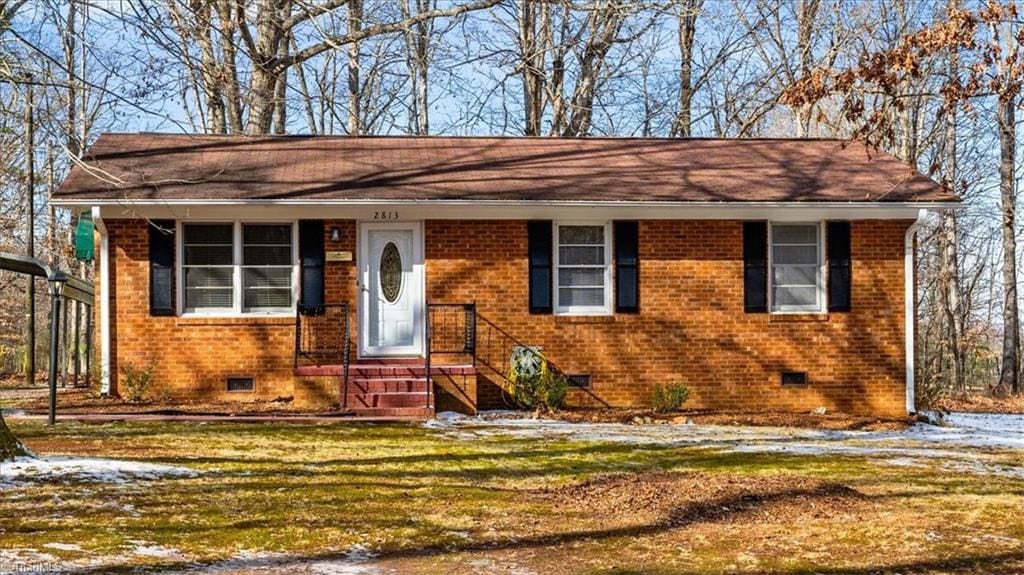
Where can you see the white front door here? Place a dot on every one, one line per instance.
(391, 289)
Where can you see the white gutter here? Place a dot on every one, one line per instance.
(909, 305)
(104, 295)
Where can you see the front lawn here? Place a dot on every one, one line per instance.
(413, 499)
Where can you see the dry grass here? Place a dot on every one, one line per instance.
(427, 503)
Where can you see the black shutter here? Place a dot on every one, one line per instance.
(755, 267)
(540, 266)
(627, 264)
(311, 255)
(838, 266)
(161, 267)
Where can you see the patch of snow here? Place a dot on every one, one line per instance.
(448, 416)
(27, 469)
(967, 443)
(975, 430)
(22, 560)
(63, 546)
(149, 549)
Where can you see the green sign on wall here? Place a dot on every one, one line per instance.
(83, 238)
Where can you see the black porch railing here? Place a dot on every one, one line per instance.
(323, 337)
(458, 329)
(451, 327)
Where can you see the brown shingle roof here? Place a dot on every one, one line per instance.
(179, 167)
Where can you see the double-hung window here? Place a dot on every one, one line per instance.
(582, 268)
(797, 264)
(237, 268)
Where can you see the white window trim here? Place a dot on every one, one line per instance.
(606, 309)
(236, 308)
(822, 303)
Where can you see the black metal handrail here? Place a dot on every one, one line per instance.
(428, 334)
(458, 329)
(451, 327)
(323, 337)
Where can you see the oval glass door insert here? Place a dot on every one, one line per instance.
(390, 272)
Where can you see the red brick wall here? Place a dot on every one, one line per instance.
(194, 355)
(691, 328)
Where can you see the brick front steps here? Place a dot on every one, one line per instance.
(388, 387)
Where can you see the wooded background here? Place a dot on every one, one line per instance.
(934, 82)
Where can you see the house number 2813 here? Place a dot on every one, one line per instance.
(385, 215)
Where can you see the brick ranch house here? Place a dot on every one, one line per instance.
(396, 275)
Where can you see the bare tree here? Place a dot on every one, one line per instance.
(688, 10)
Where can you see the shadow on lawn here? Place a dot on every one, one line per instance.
(711, 511)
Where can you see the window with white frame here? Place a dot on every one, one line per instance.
(267, 267)
(797, 278)
(237, 268)
(582, 268)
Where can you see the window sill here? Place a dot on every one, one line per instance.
(584, 318)
(798, 317)
(277, 319)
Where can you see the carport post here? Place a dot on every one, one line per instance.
(75, 350)
(57, 281)
(88, 345)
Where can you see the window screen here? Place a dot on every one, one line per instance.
(582, 268)
(796, 267)
(267, 266)
(208, 266)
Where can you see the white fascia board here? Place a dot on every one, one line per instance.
(505, 210)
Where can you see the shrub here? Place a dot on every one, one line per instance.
(930, 391)
(666, 398)
(135, 382)
(532, 383)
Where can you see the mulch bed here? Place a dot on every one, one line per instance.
(682, 498)
(85, 402)
(834, 421)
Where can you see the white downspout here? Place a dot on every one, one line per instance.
(101, 227)
(909, 302)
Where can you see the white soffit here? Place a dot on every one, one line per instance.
(502, 210)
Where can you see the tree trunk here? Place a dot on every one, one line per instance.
(10, 447)
(949, 293)
(281, 93)
(266, 71)
(1009, 376)
(949, 276)
(532, 65)
(229, 67)
(604, 28)
(807, 14)
(30, 231)
(689, 11)
(70, 46)
(355, 23)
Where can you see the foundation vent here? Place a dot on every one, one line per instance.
(794, 378)
(241, 384)
(579, 380)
